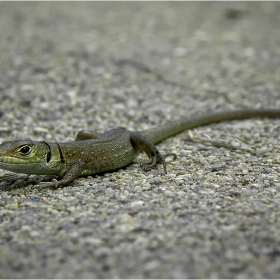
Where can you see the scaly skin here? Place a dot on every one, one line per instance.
(93, 153)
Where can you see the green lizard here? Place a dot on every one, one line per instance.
(93, 153)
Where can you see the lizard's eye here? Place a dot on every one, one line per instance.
(25, 150)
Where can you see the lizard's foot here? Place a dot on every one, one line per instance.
(11, 177)
(159, 158)
(73, 172)
(141, 143)
(148, 164)
(17, 183)
(15, 180)
(46, 185)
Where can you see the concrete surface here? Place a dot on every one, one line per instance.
(66, 66)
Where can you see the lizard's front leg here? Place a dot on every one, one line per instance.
(73, 172)
(141, 143)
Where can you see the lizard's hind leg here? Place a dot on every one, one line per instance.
(141, 143)
(86, 135)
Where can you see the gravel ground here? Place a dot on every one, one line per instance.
(101, 65)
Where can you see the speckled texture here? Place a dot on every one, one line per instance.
(94, 65)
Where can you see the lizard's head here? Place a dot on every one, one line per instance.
(24, 156)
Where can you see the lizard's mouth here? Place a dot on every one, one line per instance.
(2, 160)
(6, 163)
(11, 161)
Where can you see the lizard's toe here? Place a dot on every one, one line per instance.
(47, 185)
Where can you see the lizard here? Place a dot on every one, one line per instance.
(92, 153)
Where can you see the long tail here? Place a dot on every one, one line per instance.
(161, 132)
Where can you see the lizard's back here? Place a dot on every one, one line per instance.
(108, 152)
